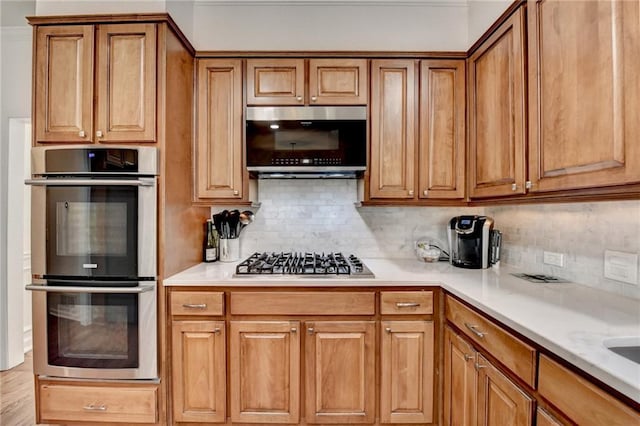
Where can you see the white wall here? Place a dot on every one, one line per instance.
(83, 7)
(483, 13)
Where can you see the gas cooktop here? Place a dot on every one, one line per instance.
(331, 265)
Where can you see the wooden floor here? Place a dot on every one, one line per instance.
(17, 406)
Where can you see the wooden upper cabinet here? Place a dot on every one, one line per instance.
(63, 101)
(219, 129)
(497, 128)
(407, 372)
(275, 82)
(199, 371)
(265, 371)
(123, 76)
(583, 90)
(442, 129)
(393, 132)
(460, 381)
(126, 83)
(338, 82)
(340, 372)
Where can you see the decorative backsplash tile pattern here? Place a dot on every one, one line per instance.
(581, 231)
(320, 215)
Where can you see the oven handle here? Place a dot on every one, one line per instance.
(77, 289)
(90, 182)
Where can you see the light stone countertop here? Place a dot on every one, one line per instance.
(568, 319)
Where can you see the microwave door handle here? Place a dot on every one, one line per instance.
(90, 182)
(79, 289)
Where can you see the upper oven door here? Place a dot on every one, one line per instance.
(306, 138)
(94, 228)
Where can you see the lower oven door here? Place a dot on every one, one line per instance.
(95, 332)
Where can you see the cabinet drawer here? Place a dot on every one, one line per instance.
(303, 303)
(98, 404)
(197, 303)
(406, 302)
(516, 355)
(585, 404)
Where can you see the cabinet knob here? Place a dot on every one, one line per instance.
(528, 184)
(216, 330)
(294, 330)
(388, 330)
(98, 133)
(425, 192)
(236, 192)
(314, 98)
(411, 192)
(310, 330)
(514, 187)
(299, 98)
(479, 366)
(468, 357)
(81, 133)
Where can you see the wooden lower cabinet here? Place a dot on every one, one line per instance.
(544, 418)
(340, 372)
(406, 372)
(265, 371)
(476, 392)
(460, 381)
(199, 371)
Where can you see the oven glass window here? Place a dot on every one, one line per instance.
(93, 330)
(92, 231)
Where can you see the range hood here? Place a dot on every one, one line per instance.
(306, 142)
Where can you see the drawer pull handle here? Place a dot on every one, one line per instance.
(195, 305)
(474, 330)
(92, 407)
(479, 366)
(407, 304)
(468, 357)
(388, 330)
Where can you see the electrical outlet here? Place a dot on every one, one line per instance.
(621, 266)
(552, 258)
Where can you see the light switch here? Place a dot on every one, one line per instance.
(621, 266)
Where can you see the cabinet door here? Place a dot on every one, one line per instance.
(340, 372)
(460, 381)
(126, 83)
(497, 111)
(63, 98)
(442, 129)
(544, 418)
(500, 401)
(219, 129)
(393, 137)
(406, 372)
(338, 81)
(265, 371)
(583, 93)
(198, 371)
(275, 82)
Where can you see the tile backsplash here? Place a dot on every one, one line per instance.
(320, 215)
(580, 231)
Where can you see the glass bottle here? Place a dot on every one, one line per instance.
(210, 242)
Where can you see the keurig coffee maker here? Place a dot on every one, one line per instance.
(473, 242)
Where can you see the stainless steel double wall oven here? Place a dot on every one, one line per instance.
(94, 227)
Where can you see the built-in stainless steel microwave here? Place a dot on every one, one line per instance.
(327, 141)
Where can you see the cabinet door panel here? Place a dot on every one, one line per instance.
(338, 81)
(500, 401)
(442, 129)
(126, 78)
(496, 112)
(406, 390)
(198, 369)
(392, 129)
(340, 372)
(275, 82)
(219, 129)
(64, 84)
(460, 381)
(265, 371)
(583, 64)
